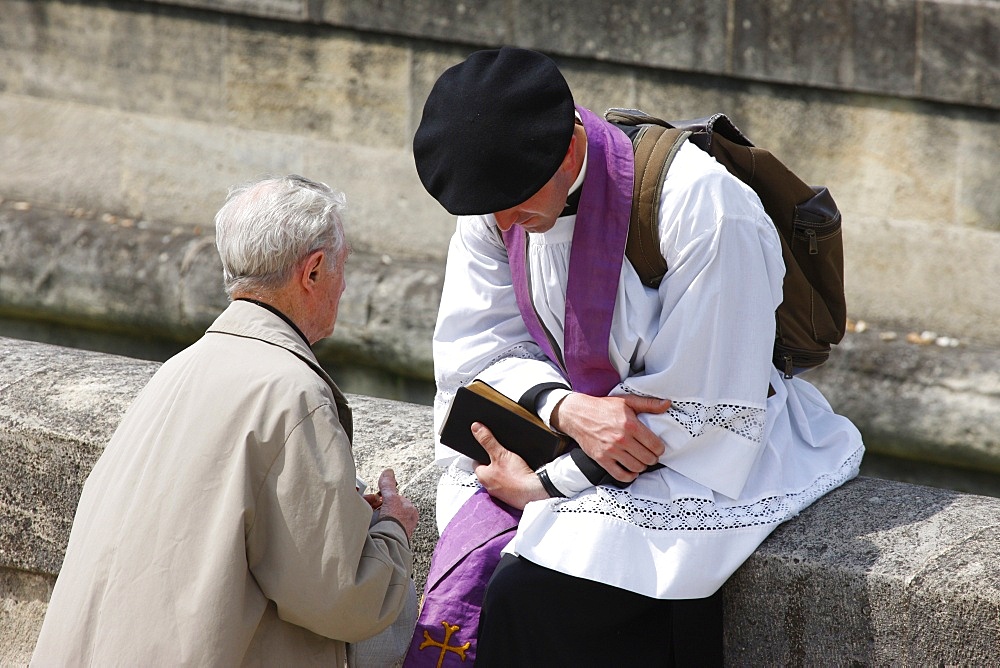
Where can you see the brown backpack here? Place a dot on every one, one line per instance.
(813, 313)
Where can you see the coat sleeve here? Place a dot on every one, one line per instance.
(479, 330)
(310, 546)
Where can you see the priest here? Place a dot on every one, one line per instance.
(692, 447)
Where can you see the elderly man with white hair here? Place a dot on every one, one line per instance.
(223, 524)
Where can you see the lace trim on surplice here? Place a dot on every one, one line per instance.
(698, 514)
(743, 421)
(458, 477)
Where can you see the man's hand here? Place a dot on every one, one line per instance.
(396, 505)
(507, 477)
(608, 429)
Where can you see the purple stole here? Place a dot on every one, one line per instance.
(595, 262)
(464, 558)
(469, 548)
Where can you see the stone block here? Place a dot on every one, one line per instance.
(60, 153)
(315, 82)
(47, 460)
(928, 277)
(892, 162)
(959, 52)
(789, 41)
(879, 548)
(865, 45)
(140, 59)
(917, 402)
(466, 22)
(883, 46)
(977, 153)
(153, 167)
(646, 33)
(152, 280)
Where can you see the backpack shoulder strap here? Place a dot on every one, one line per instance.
(655, 147)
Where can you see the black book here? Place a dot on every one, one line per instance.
(517, 429)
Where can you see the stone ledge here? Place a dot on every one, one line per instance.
(944, 50)
(875, 573)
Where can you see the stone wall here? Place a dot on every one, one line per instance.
(123, 123)
(150, 110)
(875, 573)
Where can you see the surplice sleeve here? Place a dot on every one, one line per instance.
(711, 351)
(479, 331)
(704, 338)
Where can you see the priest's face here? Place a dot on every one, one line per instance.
(538, 213)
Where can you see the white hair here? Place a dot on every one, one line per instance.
(267, 226)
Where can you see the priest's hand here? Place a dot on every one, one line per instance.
(609, 430)
(507, 477)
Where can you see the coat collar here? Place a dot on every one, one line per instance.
(248, 320)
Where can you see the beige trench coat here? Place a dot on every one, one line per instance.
(222, 525)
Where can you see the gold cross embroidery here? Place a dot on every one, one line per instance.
(445, 647)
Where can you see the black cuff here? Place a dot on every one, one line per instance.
(595, 472)
(530, 397)
(550, 489)
(588, 467)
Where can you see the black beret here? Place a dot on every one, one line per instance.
(495, 129)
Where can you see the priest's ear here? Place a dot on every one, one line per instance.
(576, 152)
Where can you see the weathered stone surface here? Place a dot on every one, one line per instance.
(57, 409)
(647, 33)
(959, 52)
(918, 277)
(882, 46)
(146, 278)
(23, 601)
(790, 41)
(876, 573)
(869, 45)
(140, 58)
(467, 22)
(335, 86)
(151, 276)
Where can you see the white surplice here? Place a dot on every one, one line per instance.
(737, 462)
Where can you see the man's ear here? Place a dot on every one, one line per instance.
(312, 269)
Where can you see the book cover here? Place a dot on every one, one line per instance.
(516, 428)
